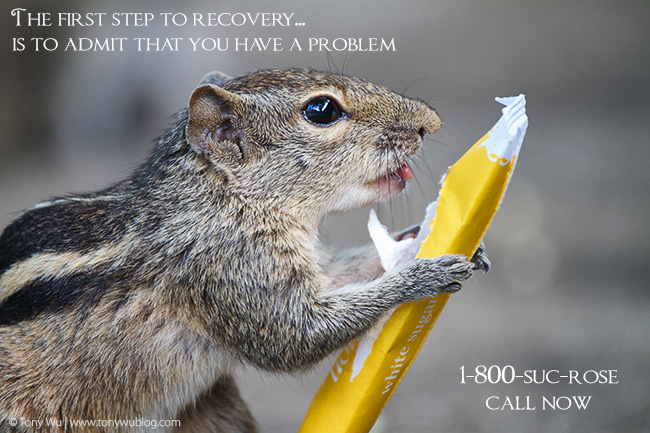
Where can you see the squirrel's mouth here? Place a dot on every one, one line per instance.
(390, 184)
(403, 172)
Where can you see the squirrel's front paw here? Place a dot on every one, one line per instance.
(430, 276)
(410, 233)
(480, 259)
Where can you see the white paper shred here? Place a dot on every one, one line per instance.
(507, 135)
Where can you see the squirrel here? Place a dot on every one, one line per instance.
(137, 301)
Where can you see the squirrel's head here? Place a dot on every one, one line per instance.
(313, 142)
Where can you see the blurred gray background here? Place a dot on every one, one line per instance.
(569, 287)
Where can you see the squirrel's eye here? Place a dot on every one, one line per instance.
(321, 111)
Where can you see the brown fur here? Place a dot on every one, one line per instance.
(137, 301)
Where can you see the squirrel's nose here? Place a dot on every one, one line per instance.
(430, 121)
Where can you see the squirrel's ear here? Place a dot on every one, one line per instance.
(215, 77)
(210, 130)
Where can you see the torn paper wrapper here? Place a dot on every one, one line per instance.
(392, 254)
(369, 369)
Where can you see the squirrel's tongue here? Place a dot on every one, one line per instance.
(405, 172)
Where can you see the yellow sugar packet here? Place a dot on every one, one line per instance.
(369, 369)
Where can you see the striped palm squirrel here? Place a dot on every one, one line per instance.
(135, 302)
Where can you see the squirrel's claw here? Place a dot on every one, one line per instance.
(480, 259)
